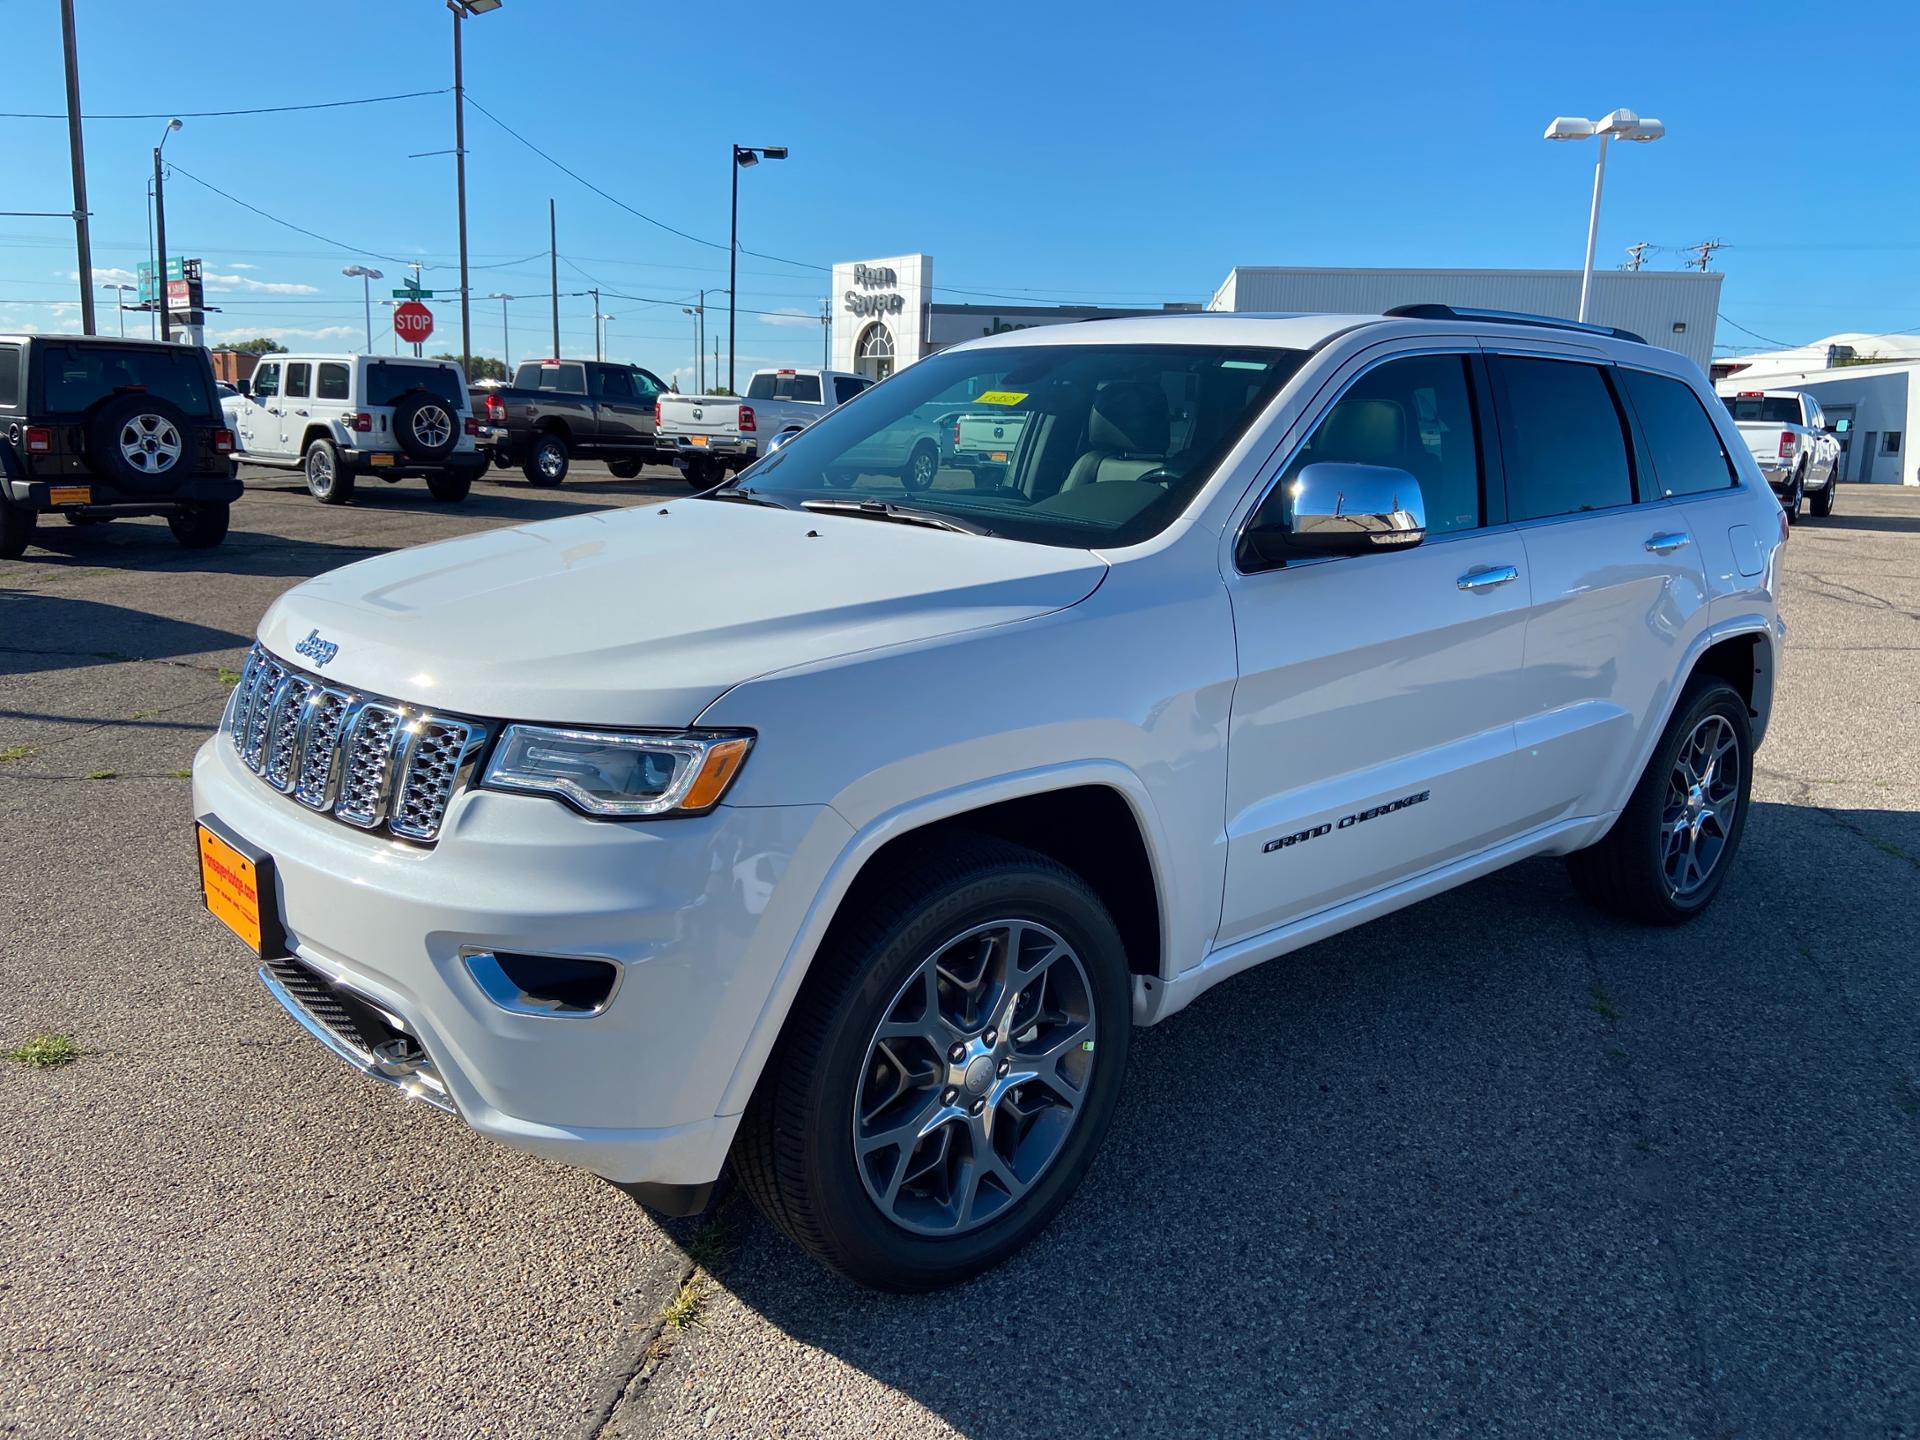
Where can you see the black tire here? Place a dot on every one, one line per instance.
(425, 426)
(1627, 871)
(623, 469)
(1821, 503)
(921, 467)
(1794, 501)
(548, 460)
(503, 460)
(702, 474)
(841, 479)
(450, 485)
(794, 1153)
(16, 530)
(141, 444)
(201, 527)
(328, 479)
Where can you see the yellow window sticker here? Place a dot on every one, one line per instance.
(1000, 397)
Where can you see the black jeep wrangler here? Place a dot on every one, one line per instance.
(95, 428)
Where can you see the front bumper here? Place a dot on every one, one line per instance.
(698, 913)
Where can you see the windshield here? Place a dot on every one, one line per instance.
(388, 380)
(1765, 409)
(78, 375)
(1080, 445)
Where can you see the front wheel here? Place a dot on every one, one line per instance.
(623, 469)
(200, 527)
(1668, 854)
(547, 462)
(16, 530)
(948, 1073)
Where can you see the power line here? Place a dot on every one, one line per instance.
(1781, 344)
(220, 114)
(288, 224)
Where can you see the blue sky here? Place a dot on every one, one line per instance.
(1087, 152)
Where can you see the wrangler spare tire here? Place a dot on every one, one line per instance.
(425, 425)
(141, 444)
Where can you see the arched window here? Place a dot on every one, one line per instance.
(873, 353)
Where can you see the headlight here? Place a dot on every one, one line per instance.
(619, 774)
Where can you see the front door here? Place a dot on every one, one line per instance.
(1372, 725)
(259, 418)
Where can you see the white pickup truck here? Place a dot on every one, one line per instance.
(1791, 444)
(711, 433)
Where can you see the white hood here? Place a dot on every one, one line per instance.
(645, 616)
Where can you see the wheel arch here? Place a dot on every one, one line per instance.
(316, 431)
(1093, 817)
(554, 425)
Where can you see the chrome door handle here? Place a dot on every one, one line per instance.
(299, 412)
(1488, 577)
(1667, 544)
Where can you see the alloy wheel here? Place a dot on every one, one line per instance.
(432, 426)
(319, 469)
(548, 457)
(1703, 794)
(974, 1077)
(150, 444)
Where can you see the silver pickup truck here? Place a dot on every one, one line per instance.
(707, 435)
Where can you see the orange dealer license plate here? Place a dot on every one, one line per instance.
(696, 439)
(236, 881)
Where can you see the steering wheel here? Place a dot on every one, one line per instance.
(1164, 475)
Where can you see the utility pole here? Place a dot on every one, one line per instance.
(553, 271)
(1703, 252)
(1635, 255)
(76, 145)
(826, 332)
(716, 365)
(160, 248)
(595, 293)
(460, 184)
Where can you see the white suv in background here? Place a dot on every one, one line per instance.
(843, 826)
(337, 418)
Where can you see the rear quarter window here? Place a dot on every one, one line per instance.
(1688, 456)
(9, 374)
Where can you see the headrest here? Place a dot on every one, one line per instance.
(1364, 432)
(1129, 417)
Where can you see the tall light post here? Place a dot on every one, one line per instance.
(699, 314)
(121, 297)
(506, 336)
(1619, 124)
(744, 157)
(82, 219)
(367, 276)
(461, 9)
(389, 304)
(160, 233)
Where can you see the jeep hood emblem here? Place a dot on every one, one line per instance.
(317, 650)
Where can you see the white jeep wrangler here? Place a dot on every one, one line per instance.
(844, 831)
(337, 418)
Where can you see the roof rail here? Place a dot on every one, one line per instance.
(1431, 311)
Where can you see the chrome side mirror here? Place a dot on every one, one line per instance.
(1336, 508)
(782, 438)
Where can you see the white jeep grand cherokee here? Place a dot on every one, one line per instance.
(844, 832)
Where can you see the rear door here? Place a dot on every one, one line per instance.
(1619, 590)
(618, 411)
(1372, 726)
(296, 405)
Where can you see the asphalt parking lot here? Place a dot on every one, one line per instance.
(1495, 1165)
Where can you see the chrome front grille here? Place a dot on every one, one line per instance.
(371, 762)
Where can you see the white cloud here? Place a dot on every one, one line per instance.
(789, 317)
(241, 265)
(107, 275)
(246, 285)
(285, 333)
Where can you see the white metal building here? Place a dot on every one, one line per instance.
(1873, 409)
(1674, 308)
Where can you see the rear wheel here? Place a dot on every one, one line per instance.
(200, 527)
(16, 530)
(623, 469)
(1793, 502)
(921, 467)
(450, 485)
(328, 481)
(548, 460)
(1822, 501)
(1669, 852)
(947, 1075)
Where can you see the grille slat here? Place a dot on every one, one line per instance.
(374, 763)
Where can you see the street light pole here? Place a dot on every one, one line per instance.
(76, 145)
(366, 294)
(160, 234)
(121, 297)
(744, 156)
(1621, 124)
(506, 336)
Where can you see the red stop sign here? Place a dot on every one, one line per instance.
(412, 321)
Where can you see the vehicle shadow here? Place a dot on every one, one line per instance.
(1889, 524)
(40, 633)
(149, 546)
(1497, 1158)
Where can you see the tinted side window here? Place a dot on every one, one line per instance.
(845, 389)
(1561, 438)
(615, 385)
(646, 384)
(568, 379)
(1688, 458)
(266, 381)
(299, 380)
(333, 381)
(9, 374)
(1415, 415)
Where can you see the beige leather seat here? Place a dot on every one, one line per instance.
(1127, 435)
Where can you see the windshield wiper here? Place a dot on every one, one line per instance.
(746, 494)
(899, 514)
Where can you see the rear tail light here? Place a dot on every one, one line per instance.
(1787, 442)
(746, 420)
(496, 410)
(472, 426)
(362, 422)
(39, 440)
(223, 442)
(956, 434)
(656, 414)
